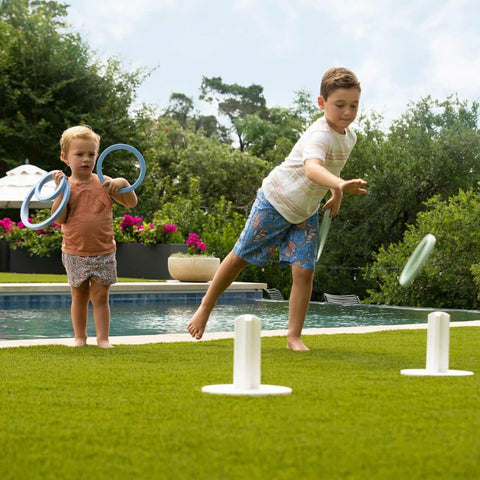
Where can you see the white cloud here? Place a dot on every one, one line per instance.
(401, 51)
(112, 20)
(451, 35)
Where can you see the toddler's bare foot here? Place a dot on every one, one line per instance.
(297, 345)
(80, 342)
(197, 324)
(104, 344)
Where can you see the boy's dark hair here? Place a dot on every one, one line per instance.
(338, 77)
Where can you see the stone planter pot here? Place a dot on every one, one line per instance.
(136, 260)
(193, 268)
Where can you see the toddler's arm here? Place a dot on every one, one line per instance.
(128, 199)
(57, 176)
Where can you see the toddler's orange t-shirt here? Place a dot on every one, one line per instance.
(88, 229)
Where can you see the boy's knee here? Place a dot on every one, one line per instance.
(302, 274)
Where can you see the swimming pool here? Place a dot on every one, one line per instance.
(155, 319)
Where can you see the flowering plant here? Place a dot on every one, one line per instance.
(195, 246)
(130, 229)
(127, 229)
(48, 240)
(42, 242)
(6, 225)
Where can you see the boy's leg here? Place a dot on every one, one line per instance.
(101, 312)
(79, 312)
(298, 305)
(228, 271)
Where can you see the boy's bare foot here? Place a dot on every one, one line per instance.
(80, 342)
(197, 324)
(104, 344)
(297, 345)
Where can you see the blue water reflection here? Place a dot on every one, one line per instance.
(145, 319)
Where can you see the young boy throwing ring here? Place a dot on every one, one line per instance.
(285, 212)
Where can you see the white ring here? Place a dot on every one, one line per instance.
(416, 261)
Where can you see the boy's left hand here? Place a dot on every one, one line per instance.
(354, 186)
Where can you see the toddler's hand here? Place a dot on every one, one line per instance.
(115, 184)
(57, 177)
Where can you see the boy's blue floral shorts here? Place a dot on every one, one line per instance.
(266, 230)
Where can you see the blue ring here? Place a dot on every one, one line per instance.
(416, 261)
(323, 232)
(123, 146)
(63, 187)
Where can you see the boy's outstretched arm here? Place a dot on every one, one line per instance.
(317, 173)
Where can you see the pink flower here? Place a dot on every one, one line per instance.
(129, 221)
(169, 228)
(7, 224)
(194, 244)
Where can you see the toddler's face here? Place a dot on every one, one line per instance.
(340, 108)
(81, 156)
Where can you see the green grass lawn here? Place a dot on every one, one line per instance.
(138, 411)
(7, 277)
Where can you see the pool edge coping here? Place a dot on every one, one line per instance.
(210, 336)
(126, 287)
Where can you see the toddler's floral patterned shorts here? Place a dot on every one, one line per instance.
(100, 268)
(266, 230)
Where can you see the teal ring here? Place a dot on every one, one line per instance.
(323, 232)
(63, 187)
(123, 146)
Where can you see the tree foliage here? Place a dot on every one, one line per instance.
(447, 280)
(176, 156)
(202, 167)
(433, 149)
(234, 101)
(50, 81)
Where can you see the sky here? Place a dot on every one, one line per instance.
(401, 50)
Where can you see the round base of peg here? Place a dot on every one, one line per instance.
(261, 391)
(419, 372)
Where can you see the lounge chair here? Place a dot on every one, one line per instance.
(342, 299)
(274, 294)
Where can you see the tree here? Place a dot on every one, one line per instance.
(176, 156)
(51, 81)
(182, 109)
(431, 150)
(448, 278)
(234, 101)
(222, 172)
(264, 135)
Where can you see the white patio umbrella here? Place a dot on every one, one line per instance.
(16, 184)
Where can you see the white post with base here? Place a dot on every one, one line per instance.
(438, 343)
(246, 363)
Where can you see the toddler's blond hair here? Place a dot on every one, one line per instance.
(80, 131)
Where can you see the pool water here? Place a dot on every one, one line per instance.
(145, 319)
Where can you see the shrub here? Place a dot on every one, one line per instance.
(42, 242)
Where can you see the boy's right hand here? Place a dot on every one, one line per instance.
(354, 186)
